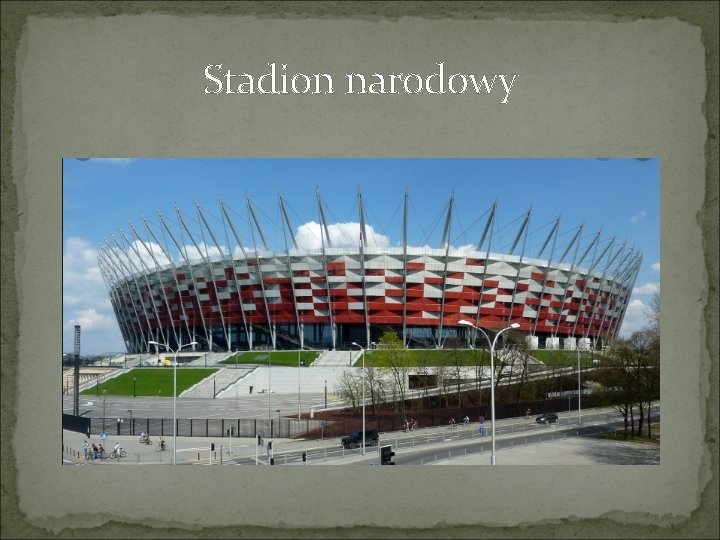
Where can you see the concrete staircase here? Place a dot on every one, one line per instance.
(284, 380)
(336, 359)
(209, 359)
(217, 383)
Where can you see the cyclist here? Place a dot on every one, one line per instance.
(101, 451)
(116, 449)
(162, 443)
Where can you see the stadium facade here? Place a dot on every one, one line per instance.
(569, 294)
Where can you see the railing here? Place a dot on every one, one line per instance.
(207, 427)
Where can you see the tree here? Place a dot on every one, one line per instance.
(631, 375)
(348, 386)
(392, 355)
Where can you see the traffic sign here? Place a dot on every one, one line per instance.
(103, 435)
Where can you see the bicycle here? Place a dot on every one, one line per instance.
(115, 455)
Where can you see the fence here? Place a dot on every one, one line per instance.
(197, 427)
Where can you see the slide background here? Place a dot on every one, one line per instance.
(126, 80)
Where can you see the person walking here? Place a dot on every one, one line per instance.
(85, 449)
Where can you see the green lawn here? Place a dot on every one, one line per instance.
(432, 357)
(472, 357)
(563, 358)
(150, 382)
(277, 358)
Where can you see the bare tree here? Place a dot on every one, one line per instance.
(348, 386)
(393, 356)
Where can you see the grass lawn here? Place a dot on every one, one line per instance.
(278, 358)
(472, 357)
(150, 382)
(563, 358)
(433, 357)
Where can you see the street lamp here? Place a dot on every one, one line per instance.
(463, 322)
(269, 384)
(299, 351)
(104, 396)
(362, 353)
(175, 363)
(579, 388)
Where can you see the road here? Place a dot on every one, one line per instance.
(518, 440)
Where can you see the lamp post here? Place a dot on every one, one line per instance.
(579, 388)
(104, 396)
(269, 384)
(175, 363)
(362, 354)
(134, 392)
(326, 394)
(299, 351)
(492, 376)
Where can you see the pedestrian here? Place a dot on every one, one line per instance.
(452, 422)
(466, 420)
(414, 424)
(527, 413)
(85, 449)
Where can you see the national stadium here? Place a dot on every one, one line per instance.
(212, 277)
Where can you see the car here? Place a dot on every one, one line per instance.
(547, 418)
(354, 440)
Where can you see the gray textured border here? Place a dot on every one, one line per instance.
(701, 14)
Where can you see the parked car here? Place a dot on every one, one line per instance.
(354, 440)
(547, 418)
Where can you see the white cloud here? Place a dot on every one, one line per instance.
(342, 235)
(635, 317)
(655, 267)
(86, 302)
(647, 288)
(637, 217)
(192, 253)
(90, 319)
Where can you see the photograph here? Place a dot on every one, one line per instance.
(361, 311)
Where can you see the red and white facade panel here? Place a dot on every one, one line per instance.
(225, 303)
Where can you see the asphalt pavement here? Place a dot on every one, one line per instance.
(439, 445)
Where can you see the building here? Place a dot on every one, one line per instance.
(226, 295)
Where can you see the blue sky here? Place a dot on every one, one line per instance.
(100, 196)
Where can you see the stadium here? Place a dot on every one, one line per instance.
(224, 287)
